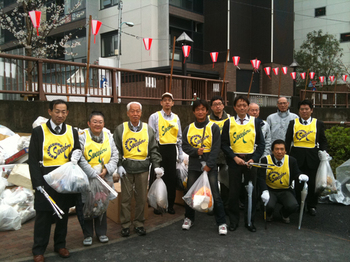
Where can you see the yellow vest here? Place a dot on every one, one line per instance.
(135, 144)
(194, 137)
(167, 130)
(95, 152)
(56, 148)
(278, 177)
(220, 123)
(242, 137)
(304, 135)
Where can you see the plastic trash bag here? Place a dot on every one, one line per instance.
(325, 182)
(182, 174)
(158, 195)
(40, 120)
(9, 218)
(68, 178)
(97, 200)
(23, 142)
(3, 184)
(199, 196)
(6, 131)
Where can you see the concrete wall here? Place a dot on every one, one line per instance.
(19, 115)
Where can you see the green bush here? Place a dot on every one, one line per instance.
(338, 139)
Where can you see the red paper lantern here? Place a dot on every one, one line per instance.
(344, 77)
(255, 64)
(275, 70)
(267, 70)
(303, 75)
(95, 24)
(293, 75)
(147, 42)
(235, 60)
(285, 70)
(321, 79)
(331, 78)
(312, 75)
(214, 57)
(186, 50)
(35, 17)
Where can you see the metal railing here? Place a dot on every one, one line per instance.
(326, 98)
(24, 77)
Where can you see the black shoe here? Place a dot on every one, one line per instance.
(157, 212)
(125, 232)
(312, 211)
(140, 231)
(251, 228)
(171, 210)
(233, 227)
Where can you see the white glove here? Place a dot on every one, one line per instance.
(180, 158)
(265, 197)
(76, 155)
(40, 189)
(121, 171)
(159, 171)
(303, 178)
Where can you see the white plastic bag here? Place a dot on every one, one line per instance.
(3, 184)
(68, 178)
(9, 218)
(325, 182)
(40, 120)
(158, 195)
(182, 174)
(6, 131)
(199, 196)
(97, 200)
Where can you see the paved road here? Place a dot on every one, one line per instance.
(325, 237)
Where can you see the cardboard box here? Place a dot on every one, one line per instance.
(114, 206)
(178, 198)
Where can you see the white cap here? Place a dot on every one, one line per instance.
(167, 94)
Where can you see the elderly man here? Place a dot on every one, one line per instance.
(137, 149)
(279, 121)
(167, 127)
(51, 146)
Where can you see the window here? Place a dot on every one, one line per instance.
(108, 3)
(190, 5)
(321, 11)
(345, 37)
(109, 44)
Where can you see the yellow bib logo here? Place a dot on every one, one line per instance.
(131, 143)
(241, 135)
(274, 176)
(196, 140)
(166, 129)
(55, 149)
(96, 154)
(303, 134)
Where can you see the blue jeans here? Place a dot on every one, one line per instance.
(219, 211)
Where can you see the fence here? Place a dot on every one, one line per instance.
(326, 98)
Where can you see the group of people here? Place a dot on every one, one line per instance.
(216, 143)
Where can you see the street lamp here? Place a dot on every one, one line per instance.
(130, 24)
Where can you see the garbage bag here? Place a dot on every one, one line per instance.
(9, 218)
(199, 196)
(97, 200)
(182, 174)
(6, 131)
(40, 120)
(3, 184)
(8, 146)
(68, 178)
(325, 182)
(158, 196)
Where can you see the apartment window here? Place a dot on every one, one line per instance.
(190, 5)
(109, 44)
(108, 3)
(321, 11)
(345, 37)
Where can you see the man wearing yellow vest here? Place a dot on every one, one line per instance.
(51, 145)
(168, 131)
(239, 135)
(276, 182)
(304, 138)
(137, 149)
(201, 141)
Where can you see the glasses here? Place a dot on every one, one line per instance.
(217, 104)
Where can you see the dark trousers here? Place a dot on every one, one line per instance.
(286, 198)
(219, 211)
(235, 175)
(100, 226)
(42, 230)
(312, 196)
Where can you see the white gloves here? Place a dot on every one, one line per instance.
(121, 171)
(180, 158)
(303, 178)
(40, 189)
(76, 155)
(265, 197)
(159, 171)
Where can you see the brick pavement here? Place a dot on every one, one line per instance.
(16, 245)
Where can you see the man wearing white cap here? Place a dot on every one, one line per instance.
(167, 127)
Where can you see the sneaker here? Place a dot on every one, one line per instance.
(285, 219)
(103, 239)
(87, 241)
(187, 224)
(223, 230)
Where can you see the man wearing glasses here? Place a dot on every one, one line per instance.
(279, 121)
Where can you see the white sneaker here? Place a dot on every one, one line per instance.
(223, 229)
(87, 241)
(187, 224)
(103, 239)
